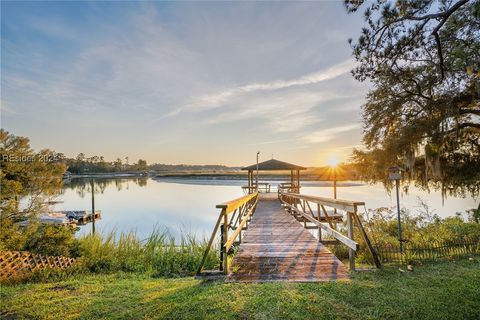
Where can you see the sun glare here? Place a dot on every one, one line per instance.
(333, 161)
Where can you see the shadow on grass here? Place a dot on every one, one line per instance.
(444, 291)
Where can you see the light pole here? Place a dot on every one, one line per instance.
(333, 164)
(258, 153)
(395, 173)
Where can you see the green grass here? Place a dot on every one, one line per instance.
(447, 290)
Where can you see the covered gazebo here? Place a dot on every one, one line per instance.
(274, 165)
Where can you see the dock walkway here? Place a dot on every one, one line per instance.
(277, 247)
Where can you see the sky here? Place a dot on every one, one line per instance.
(183, 82)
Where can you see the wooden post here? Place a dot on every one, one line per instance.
(242, 209)
(256, 179)
(351, 252)
(376, 258)
(225, 239)
(92, 184)
(221, 248)
(335, 187)
(319, 228)
(304, 210)
(291, 181)
(298, 181)
(249, 181)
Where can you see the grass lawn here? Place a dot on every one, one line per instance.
(447, 290)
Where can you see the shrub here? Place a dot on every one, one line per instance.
(52, 240)
(37, 238)
(421, 229)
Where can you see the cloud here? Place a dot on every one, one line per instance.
(241, 67)
(215, 100)
(325, 135)
(271, 142)
(281, 111)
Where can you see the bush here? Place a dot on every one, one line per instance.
(50, 240)
(39, 238)
(421, 229)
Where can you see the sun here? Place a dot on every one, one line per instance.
(333, 161)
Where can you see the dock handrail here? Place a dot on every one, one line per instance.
(240, 211)
(300, 205)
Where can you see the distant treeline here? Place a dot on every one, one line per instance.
(82, 164)
(97, 164)
(186, 167)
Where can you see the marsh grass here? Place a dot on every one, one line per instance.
(160, 254)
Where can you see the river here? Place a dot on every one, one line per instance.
(181, 204)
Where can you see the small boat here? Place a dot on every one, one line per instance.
(54, 218)
(82, 216)
(57, 218)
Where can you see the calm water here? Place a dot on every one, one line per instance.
(140, 204)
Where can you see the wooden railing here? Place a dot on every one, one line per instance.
(301, 206)
(235, 216)
(14, 264)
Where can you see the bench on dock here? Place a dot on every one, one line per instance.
(262, 186)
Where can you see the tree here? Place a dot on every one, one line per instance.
(30, 178)
(81, 157)
(118, 164)
(423, 59)
(141, 165)
(26, 174)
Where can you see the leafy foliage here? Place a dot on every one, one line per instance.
(420, 228)
(29, 178)
(26, 175)
(97, 164)
(423, 59)
(38, 238)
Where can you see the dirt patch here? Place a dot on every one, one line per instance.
(68, 287)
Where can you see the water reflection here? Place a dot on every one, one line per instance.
(142, 203)
(82, 186)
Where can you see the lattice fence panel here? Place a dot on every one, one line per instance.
(19, 263)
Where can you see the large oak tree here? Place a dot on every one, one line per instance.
(422, 113)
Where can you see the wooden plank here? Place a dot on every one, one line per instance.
(345, 205)
(277, 248)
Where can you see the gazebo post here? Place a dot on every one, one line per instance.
(249, 181)
(298, 181)
(291, 181)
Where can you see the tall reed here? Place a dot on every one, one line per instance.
(159, 254)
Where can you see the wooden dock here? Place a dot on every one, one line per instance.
(277, 247)
(273, 243)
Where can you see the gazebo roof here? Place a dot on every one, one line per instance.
(273, 165)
